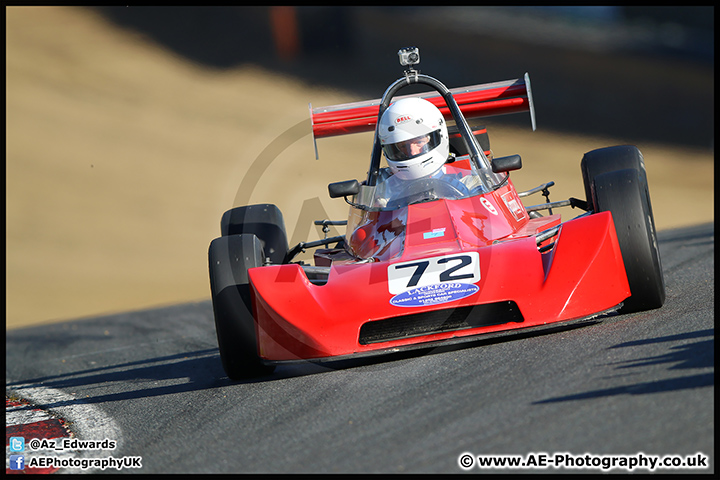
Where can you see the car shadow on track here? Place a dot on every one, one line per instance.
(681, 357)
(171, 374)
(199, 370)
(318, 367)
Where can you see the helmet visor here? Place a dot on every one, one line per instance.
(412, 148)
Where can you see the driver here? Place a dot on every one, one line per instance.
(415, 142)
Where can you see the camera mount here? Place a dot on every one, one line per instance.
(409, 57)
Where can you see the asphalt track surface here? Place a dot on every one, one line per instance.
(624, 385)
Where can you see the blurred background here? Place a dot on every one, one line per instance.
(587, 63)
(130, 130)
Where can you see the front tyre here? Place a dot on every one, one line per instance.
(229, 259)
(609, 159)
(264, 221)
(624, 193)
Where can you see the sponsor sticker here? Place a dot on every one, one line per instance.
(437, 232)
(434, 294)
(488, 206)
(514, 205)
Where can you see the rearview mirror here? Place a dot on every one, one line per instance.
(506, 164)
(343, 189)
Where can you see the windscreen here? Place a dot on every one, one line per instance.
(454, 181)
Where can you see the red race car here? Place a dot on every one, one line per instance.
(439, 246)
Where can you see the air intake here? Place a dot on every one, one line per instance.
(437, 321)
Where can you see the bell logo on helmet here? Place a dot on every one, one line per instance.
(402, 119)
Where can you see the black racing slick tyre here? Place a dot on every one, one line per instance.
(264, 221)
(609, 159)
(624, 193)
(229, 259)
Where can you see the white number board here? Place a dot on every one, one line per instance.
(456, 268)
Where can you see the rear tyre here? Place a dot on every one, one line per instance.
(264, 221)
(229, 259)
(624, 193)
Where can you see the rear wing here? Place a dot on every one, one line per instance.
(483, 100)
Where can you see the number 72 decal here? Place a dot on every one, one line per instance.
(458, 268)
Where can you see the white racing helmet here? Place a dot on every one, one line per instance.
(414, 138)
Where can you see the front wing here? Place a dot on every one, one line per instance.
(518, 288)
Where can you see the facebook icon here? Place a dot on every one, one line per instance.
(17, 462)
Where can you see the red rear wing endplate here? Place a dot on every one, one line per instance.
(484, 100)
